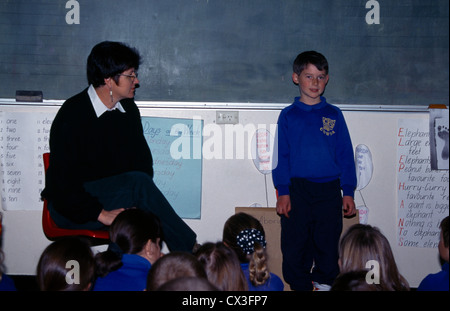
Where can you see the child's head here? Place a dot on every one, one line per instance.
(363, 243)
(133, 231)
(66, 265)
(172, 266)
(235, 226)
(311, 75)
(245, 235)
(222, 267)
(310, 57)
(443, 242)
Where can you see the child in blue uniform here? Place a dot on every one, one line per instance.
(136, 238)
(315, 177)
(245, 235)
(439, 281)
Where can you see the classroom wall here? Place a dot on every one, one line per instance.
(227, 184)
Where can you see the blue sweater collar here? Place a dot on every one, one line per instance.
(303, 106)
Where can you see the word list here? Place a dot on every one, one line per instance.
(24, 137)
(423, 196)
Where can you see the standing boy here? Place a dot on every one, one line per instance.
(315, 163)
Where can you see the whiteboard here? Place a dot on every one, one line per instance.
(25, 137)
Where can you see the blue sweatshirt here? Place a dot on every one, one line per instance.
(274, 283)
(436, 282)
(131, 276)
(313, 142)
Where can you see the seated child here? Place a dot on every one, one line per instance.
(66, 265)
(222, 267)
(173, 266)
(439, 281)
(363, 243)
(245, 235)
(135, 245)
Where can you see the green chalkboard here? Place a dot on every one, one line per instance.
(233, 50)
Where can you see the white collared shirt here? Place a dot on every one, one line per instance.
(98, 105)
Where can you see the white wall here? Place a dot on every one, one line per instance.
(231, 183)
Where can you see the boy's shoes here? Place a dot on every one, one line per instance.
(320, 287)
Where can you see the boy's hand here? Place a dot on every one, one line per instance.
(348, 204)
(284, 205)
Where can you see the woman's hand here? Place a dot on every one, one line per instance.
(107, 217)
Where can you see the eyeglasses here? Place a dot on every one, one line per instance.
(132, 77)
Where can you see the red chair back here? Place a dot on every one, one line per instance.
(52, 231)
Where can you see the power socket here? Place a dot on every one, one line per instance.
(227, 117)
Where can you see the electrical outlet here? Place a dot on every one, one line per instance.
(227, 117)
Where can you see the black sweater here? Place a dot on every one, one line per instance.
(84, 148)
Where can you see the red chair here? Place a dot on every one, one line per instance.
(52, 231)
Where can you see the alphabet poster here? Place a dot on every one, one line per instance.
(423, 195)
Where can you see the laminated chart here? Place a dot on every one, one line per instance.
(176, 146)
(24, 137)
(423, 196)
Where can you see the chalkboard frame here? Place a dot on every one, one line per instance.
(228, 106)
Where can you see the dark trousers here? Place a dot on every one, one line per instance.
(135, 189)
(310, 235)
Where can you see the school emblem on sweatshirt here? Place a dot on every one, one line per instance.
(328, 126)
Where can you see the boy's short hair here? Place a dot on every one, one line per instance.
(444, 228)
(310, 57)
(109, 59)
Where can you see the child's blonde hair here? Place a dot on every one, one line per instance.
(362, 243)
(222, 267)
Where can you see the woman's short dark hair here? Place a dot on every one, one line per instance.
(108, 59)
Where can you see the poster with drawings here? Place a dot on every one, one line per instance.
(439, 145)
